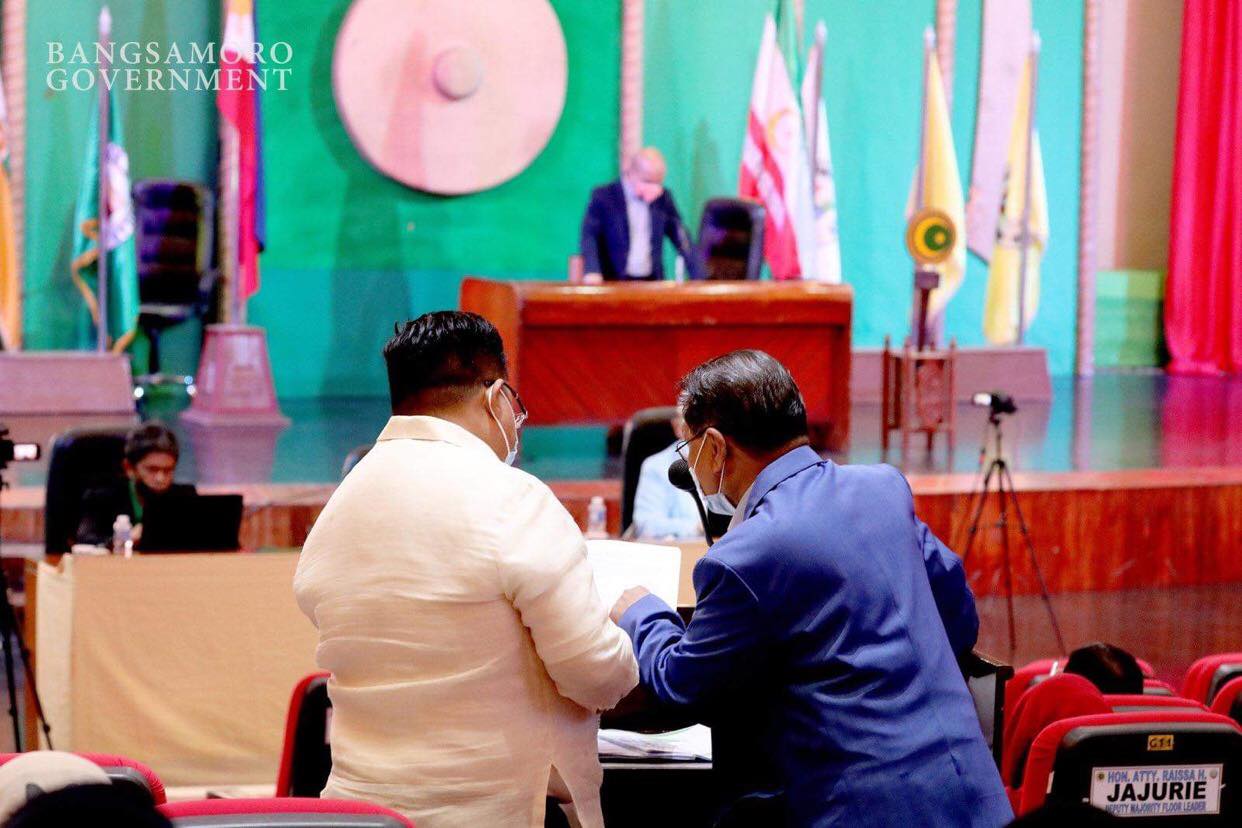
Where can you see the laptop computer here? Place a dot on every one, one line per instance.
(192, 523)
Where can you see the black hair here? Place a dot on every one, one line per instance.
(88, 805)
(434, 359)
(747, 395)
(150, 438)
(1110, 668)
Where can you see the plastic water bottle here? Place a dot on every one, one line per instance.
(122, 536)
(597, 518)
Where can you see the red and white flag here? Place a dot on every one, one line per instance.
(775, 167)
(237, 99)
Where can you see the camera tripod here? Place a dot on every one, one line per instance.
(1006, 496)
(9, 630)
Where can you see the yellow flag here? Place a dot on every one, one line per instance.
(1000, 304)
(942, 187)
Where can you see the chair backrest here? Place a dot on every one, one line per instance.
(354, 458)
(173, 238)
(1129, 703)
(986, 679)
(1058, 697)
(1025, 675)
(121, 770)
(1210, 673)
(647, 432)
(307, 757)
(1162, 765)
(285, 812)
(731, 239)
(1156, 687)
(1228, 701)
(81, 459)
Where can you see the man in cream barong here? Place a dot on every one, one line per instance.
(469, 650)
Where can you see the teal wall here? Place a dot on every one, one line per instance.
(167, 135)
(349, 251)
(696, 102)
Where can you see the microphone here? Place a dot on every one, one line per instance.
(679, 475)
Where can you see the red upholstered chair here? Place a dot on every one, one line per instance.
(284, 812)
(1207, 675)
(1024, 676)
(1074, 760)
(1228, 701)
(122, 771)
(1058, 697)
(1149, 672)
(1123, 703)
(1156, 687)
(306, 759)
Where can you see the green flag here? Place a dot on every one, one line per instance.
(122, 311)
(787, 41)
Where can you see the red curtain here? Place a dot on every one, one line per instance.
(1203, 298)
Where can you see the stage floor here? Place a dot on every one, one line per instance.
(1112, 422)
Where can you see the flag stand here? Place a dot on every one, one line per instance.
(1024, 237)
(234, 386)
(918, 384)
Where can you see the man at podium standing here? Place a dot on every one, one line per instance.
(627, 221)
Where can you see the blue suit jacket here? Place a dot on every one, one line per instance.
(605, 241)
(822, 653)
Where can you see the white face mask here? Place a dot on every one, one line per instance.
(511, 451)
(717, 502)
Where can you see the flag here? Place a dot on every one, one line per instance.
(238, 102)
(774, 167)
(942, 188)
(10, 286)
(1000, 304)
(827, 246)
(122, 310)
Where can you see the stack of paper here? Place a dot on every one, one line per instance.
(619, 565)
(684, 745)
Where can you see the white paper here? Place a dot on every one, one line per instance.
(619, 565)
(686, 745)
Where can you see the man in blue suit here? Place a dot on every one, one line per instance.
(627, 221)
(824, 642)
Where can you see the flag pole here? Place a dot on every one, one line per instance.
(1025, 234)
(923, 283)
(101, 265)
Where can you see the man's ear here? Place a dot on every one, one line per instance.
(128, 468)
(717, 447)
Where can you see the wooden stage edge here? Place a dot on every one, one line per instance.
(1092, 531)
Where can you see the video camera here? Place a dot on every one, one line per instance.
(997, 402)
(11, 452)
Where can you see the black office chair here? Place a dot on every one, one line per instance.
(731, 239)
(81, 459)
(176, 282)
(647, 432)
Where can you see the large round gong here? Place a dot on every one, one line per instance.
(449, 96)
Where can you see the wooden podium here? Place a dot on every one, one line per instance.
(596, 354)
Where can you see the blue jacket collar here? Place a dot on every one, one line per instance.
(780, 469)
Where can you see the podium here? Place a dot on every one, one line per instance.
(593, 355)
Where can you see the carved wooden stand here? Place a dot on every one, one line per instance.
(919, 393)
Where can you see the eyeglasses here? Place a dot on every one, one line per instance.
(682, 445)
(520, 414)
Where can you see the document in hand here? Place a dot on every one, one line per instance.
(619, 565)
(685, 745)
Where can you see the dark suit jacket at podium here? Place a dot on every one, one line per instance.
(606, 233)
(100, 508)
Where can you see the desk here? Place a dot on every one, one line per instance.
(597, 354)
(184, 662)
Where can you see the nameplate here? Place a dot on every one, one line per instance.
(1157, 791)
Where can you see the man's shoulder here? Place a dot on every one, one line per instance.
(606, 192)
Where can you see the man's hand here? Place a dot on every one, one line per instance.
(593, 279)
(628, 598)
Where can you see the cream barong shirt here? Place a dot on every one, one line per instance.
(469, 648)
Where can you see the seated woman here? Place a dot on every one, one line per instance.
(151, 454)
